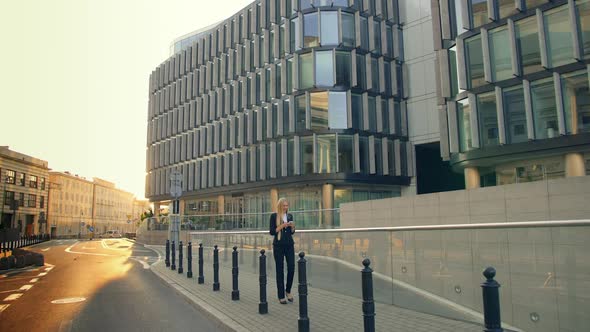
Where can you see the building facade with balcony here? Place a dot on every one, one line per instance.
(24, 192)
(297, 99)
(513, 91)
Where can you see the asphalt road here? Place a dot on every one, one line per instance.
(99, 285)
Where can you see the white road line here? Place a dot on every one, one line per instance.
(145, 265)
(9, 291)
(42, 274)
(3, 307)
(49, 268)
(13, 297)
(34, 280)
(46, 249)
(26, 287)
(69, 250)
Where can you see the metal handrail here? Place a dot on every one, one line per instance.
(253, 213)
(496, 225)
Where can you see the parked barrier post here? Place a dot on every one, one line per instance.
(201, 276)
(368, 303)
(189, 260)
(180, 254)
(215, 268)
(491, 302)
(167, 253)
(173, 262)
(235, 293)
(263, 305)
(303, 321)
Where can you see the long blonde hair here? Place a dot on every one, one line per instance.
(280, 208)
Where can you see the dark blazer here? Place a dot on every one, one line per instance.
(287, 232)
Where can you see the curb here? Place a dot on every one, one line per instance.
(222, 321)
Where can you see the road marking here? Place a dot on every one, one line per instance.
(34, 280)
(145, 265)
(10, 291)
(42, 274)
(46, 249)
(13, 297)
(88, 248)
(26, 287)
(69, 300)
(69, 250)
(3, 307)
(49, 268)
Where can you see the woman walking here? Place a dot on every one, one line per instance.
(282, 228)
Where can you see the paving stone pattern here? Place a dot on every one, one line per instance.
(328, 311)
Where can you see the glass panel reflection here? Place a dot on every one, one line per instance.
(306, 154)
(319, 110)
(500, 59)
(544, 109)
(515, 116)
(326, 153)
(464, 125)
(329, 28)
(474, 60)
(576, 101)
(527, 40)
(559, 36)
(345, 154)
(311, 36)
(324, 68)
(337, 110)
(488, 119)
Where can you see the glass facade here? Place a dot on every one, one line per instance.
(559, 36)
(515, 117)
(500, 59)
(474, 58)
(488, 119)
(576, 100)
(544, 109)
(527, 39)
(464, 125)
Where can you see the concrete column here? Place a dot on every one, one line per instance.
(274, 198)
(156, 209)
(181, 206)
(471, 178)
(574, 165)
(220, 204)
(328, 203)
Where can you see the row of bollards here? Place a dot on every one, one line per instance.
(22, 241)
(490, 288)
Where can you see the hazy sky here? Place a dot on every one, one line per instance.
(74, 80)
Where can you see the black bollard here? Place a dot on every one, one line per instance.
(180, 254)
(173, 251)
(201, 276)
(263, 305)
(368, 303)
(215, 268)
(491, 302)
(189, 260)
(167, 253)
(235, 293)
(303, 321)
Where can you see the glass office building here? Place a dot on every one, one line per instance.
(513, 88)
(300, 99)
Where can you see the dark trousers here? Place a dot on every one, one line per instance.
(281, 253)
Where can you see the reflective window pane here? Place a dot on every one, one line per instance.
(559, 36)
(372, 113)
(326, 153)
(530, 4)
(305, 71)
(488, 119)
(310, 30)
(324, 68)
(337, 110)
(343, 68)
(385, 115)
(583, 7)
(377, 37)
(378, 157)
(348, 30)
(479, 12)
(374, 75)
(500, 59)
(329, 28)
(454, 72)
(361, 67)
(544, 109)
(286, 117)
(300, 113)
(364, 154)
(364, 33)
(319, 110)
(345, 154)
(474, 61)
(295, 38)
(515, 115)
(464, 125)
(391, 157)
(357, 111)
(576, 100)
(506, 8)
(527, 43)
(306, 154)
(305, 4)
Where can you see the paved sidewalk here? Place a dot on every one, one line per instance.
(328, 311)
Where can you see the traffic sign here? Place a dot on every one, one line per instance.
(91, 229)
(176, 184)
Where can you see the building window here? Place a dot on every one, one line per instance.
(33, 181)
(343, 68)
(500, 59)
(559, 36)
(464, 125)
(41, 202)
(306, 154)
(506, 8)
(32, 202)
(530, 4)
(42, 183)
(329, 28)
(515, 116)
(319, 110)
(295, 38)
(21, 179)
(474, 61)
(310, 30)
(361, 72)
(21, 199)
(364, 155)
(544, 109)
(324, 68)
(377, 37)
(337, 110)
(364, 33)
(357, 111)
(348, 30)
(583, 7)
(10, 177)
(576, 100)
(372, 110)
(290, 77)
(285, 123)
(527, 41)
(305, 71)
(8, 197)
(478, 12)
(300, 113)
(345, 154)
(305, 4)
(374, 75)
(488, 119)
(326, 153)
(378, 157)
